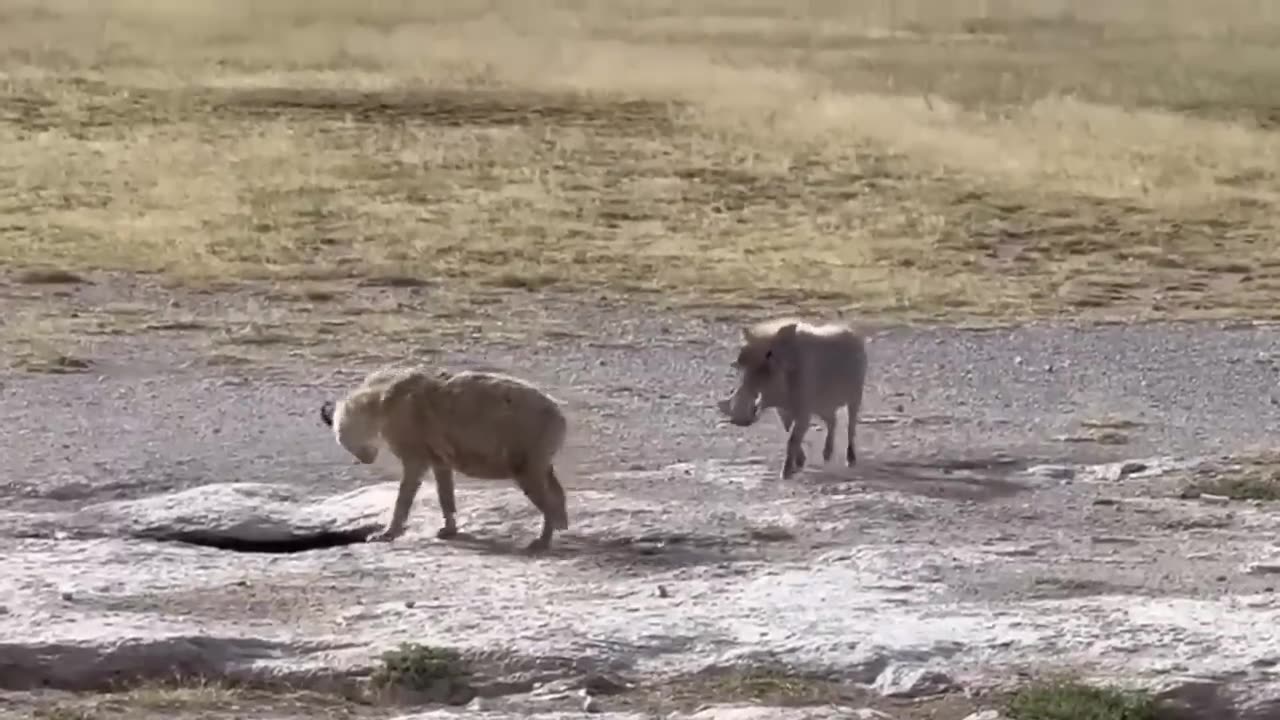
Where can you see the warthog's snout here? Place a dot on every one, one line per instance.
(743, 417)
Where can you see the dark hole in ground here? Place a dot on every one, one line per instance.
(303, 542)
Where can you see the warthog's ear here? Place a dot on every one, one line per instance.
(780, 349)
(326, 412)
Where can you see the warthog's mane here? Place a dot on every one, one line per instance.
(766, 329)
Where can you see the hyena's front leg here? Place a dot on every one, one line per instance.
(448, 504)
(795, 445)
(410, 481)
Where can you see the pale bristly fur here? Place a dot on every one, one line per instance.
(801, 370)
(482, 424)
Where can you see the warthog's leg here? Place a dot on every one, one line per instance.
(448, 504)
(851, 455)
(410, 481)
(533, 483)
(795, 445)
(829, 447)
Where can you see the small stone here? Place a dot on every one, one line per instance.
(410, 604)
(1131, 467)
(984, 715)
(871, 714)
(1053, 472)
(906, 681)
(559, 689)
(67, 595)
(662, 592)
(771, 534)
(604, 685)
(1215, 499)
(591, 705)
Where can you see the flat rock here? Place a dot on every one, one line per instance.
(249, 512)
(86, 611)
(521, 715)
(760, 712)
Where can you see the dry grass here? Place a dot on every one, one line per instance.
(1249, 477)
(975, 157)
(189, 699)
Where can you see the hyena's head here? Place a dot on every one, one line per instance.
(356, 423)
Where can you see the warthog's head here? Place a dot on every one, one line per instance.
(355, 421)
(762, 361)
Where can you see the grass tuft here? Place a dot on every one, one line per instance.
(1248, 477)
(413, 674)
(1071, 700)
(419, 666)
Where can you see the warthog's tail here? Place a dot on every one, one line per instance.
(326, 412)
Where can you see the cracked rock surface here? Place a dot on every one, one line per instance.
(158, 514)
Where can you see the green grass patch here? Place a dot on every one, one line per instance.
(1071, 700)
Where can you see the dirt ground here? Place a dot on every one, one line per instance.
(954, 420)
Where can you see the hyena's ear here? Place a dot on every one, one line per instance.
(326, 412)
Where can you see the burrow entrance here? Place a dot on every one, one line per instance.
(288, 544)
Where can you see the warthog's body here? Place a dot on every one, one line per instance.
(801, 370)
(486, 425)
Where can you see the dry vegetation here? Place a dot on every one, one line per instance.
(1254, 476)
(974, 157)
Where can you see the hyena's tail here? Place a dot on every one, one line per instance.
(559, 507)
(326, 412)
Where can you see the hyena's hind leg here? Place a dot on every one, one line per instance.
(448, 502)
(556, 500)
(535, 483)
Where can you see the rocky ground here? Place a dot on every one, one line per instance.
(1019, 507)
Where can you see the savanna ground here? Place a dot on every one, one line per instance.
(230, 171)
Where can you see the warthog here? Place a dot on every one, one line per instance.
(801, 370)
(485, 425)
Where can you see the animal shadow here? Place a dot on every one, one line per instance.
(654, 549)
(965, 479)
